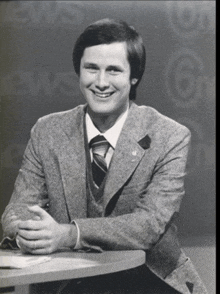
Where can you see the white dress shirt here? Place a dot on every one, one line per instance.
(111, 135)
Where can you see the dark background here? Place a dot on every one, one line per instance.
(37, 78)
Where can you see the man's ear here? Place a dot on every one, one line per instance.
(134, 81)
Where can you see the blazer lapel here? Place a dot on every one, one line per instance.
(72, 163)
(127, 154)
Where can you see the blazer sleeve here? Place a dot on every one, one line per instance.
(154, 209)
(30, 189)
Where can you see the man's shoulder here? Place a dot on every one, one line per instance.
(155, 120)
(62, 117)
(54, 124)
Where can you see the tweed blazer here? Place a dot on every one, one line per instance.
(142, 194)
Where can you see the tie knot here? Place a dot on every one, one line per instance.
(99, 145)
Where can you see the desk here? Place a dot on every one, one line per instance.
(63, 267)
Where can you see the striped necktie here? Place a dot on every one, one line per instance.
(99, 147)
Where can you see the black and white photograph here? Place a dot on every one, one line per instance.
(107, 144)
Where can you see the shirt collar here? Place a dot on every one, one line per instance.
(111, 134)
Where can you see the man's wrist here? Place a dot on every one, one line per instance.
(69, 236)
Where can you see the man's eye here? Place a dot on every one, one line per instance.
(91, 68)
(114, 70)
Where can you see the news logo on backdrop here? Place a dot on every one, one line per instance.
(42, 13)
(189, 19)
(190, 86)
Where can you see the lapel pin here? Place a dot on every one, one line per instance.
(134, 152)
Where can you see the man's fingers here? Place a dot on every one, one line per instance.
(32, 245)
(17, 241)
(38, 211)
(40, 251)
(30, 225)
(34, 234)
(28, 235)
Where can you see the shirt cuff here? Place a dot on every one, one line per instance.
(8, 243)
(77, 246)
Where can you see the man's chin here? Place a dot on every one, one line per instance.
(100, 111)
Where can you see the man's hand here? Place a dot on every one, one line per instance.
(43, 235)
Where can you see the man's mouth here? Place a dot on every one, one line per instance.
(102, 95)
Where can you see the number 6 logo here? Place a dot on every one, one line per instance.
(184, 78)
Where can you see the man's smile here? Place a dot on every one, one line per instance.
(102, 95)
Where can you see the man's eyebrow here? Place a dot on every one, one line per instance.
(89, 64)
(109, 67)
(117, 67)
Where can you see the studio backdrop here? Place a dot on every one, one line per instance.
(37, 78)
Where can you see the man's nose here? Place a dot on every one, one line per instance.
(102, 81)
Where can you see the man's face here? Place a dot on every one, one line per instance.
(105, 79)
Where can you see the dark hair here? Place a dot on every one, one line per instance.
(107, 31)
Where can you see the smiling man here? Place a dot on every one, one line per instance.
(105, 83)
(107, 175)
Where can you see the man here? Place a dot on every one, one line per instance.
(107, 175)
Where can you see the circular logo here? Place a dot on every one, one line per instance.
(190, 18)
(184, 78)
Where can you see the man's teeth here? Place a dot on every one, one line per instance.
(103, 95)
